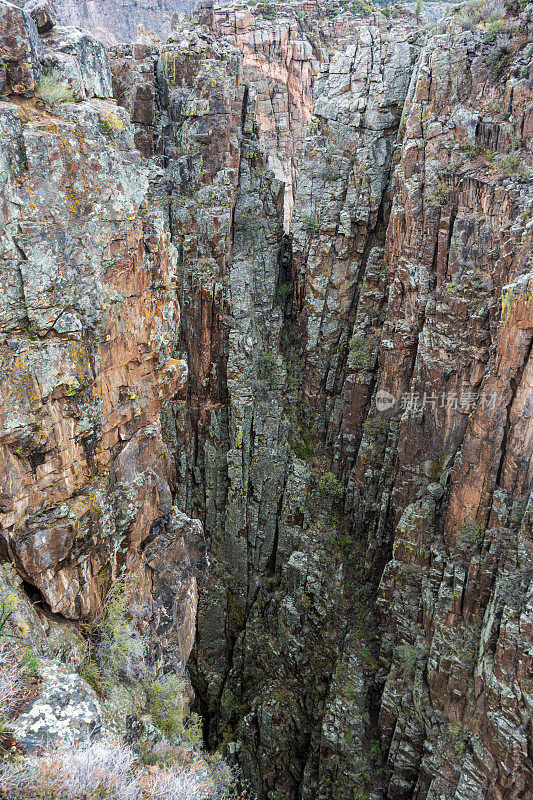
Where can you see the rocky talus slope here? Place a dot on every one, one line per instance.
(282, 284)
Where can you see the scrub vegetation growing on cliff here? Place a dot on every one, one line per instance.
(53, 90)
(105, 769)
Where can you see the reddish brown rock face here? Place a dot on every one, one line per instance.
(457, 331)
(283, 54)
(90, 317)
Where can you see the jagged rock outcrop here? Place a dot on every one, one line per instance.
(282, 60)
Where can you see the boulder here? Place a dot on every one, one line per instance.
(80, 60)
(43, 13)
(20, 48)
(66, 708)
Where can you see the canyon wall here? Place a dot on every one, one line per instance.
(116, 21)
(349, 634)
(285, 286)
(89, 320)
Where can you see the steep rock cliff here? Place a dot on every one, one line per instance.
(391, 359)
(355, 430)
(89, 319)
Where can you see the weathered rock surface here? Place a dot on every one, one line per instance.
(43, 13)
(20, 47)
(347, 409)
(281, 60)
(115, 21)
(79, 59)
(89, 322)
(66, 708)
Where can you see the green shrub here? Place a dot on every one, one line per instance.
(114, 646)
(411, 658)
(91, 673)
(358, 355)
(375, 427)
(193, 729)
(493, 29)
(471, 534)
(331, 173)
(53, 90)
(438, 194)
(358, 7)
(497, 58)
(282, 293)
(120, 643)
(369, 662)
(302, 447)
(418, 11)
(268, 10)
(512, 162)
(266, 366)
(310, 223)
(329, 486)
(165, 705)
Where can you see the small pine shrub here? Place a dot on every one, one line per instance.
(310, 223)
(497, 59)
(411, 658)
(53, 90)
(329, 486)
(512, 162)
(115, 648)
(438, 194)
(301, 446)
(493, 29)
(193, 729)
